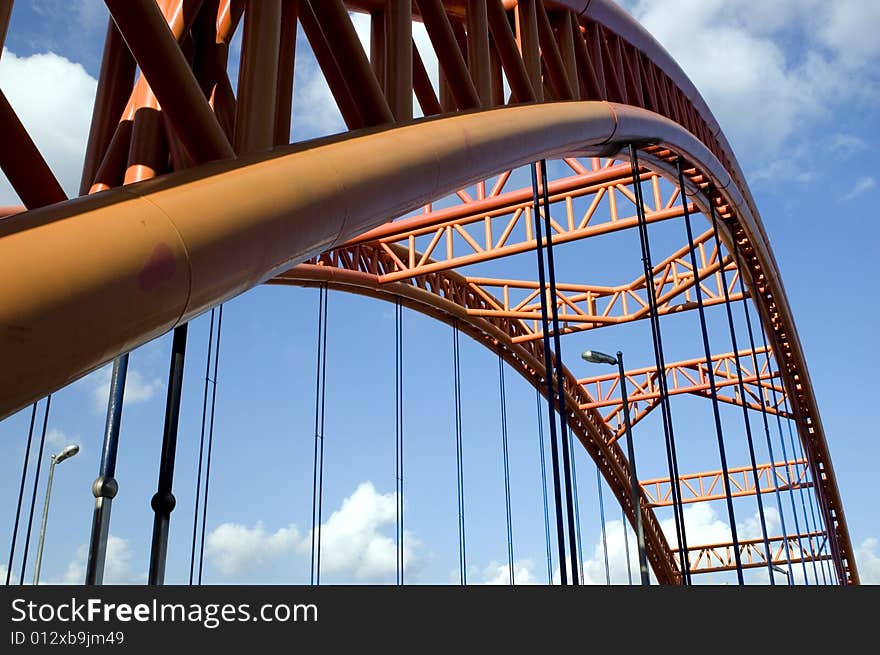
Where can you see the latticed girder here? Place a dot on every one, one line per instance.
(701, 487)
(581, 306)
(714, 558)
(548, 50)
(500, 224)
(688, 377)
(585, 306)
(443, 295)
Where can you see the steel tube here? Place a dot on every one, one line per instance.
(478, 50)
(114, 86)
(39, 560)
(153, 46)
(286, 61)
(163, 501)
(398, 44)
(105, 486)
(257, 77)
(154, 263)
(361, 80)
(636, 488)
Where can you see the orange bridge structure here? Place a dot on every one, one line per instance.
(168, 226)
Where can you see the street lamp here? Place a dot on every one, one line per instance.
(596, 357)
(779, 569)
(66, 453)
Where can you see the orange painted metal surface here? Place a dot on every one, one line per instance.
(440, 295)
(715, 558)
(706, 486)
(691, 377)
(154, 262)
(151, 263)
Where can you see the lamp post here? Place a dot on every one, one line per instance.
(596, 357)
(66, 453)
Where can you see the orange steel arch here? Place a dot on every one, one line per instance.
(441, 296)
(585, 79)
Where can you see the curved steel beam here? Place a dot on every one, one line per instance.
(87, 280)
(111, 271)
(439, 295)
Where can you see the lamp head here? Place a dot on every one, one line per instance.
(67, 452)
(596, 357)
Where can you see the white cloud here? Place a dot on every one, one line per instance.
(57, 439)
(760, 91)
(53, 97)
(703, 527)
(849, 28)
(868, 561)
(118, 568)
(847, 143)
(496, 573)
(237, 549)
(138, 389)
(354, 540)
(862, 185)
(750, 528)
(315, 110)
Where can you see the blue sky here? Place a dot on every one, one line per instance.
(795, 87)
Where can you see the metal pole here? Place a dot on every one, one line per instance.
(105, 488)
(27, 540)
(548, 378)
(43, 525)
(710, 374)
(163, 501)
(602, 523)
(574, 548)
(742, 394)
(636, 492)
(657, 339)
(24, 468)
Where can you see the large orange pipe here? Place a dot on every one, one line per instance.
(89, 279)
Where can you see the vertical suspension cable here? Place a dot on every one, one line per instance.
(24, 468)
(509, 514)
(567, 455)
(742, 392)
(801, 494)
(815, 522)
(819, 522)
(548, 379)
(192, 557)
(544, 488)
(813, 526)
(574, 483)
(210, 444)
(398, 446)
(629, 572)
(739, 267)
(833, 552)
(657, 339)
(791, 485)
(602, 520)
(824, 564)
(816, 487)
(27, 540)
(791, 481)
(462, 546)
(318, 470)
(710, 373)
